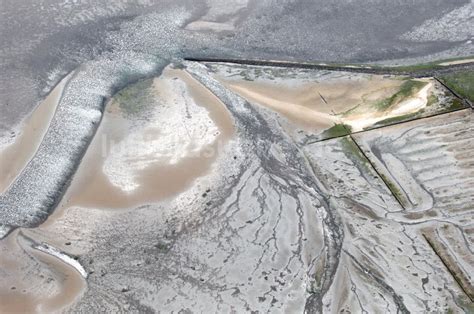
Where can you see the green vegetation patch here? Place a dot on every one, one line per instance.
(429, 66)
(397, 193)
(337, 130)
(465, 303)
(397, 119)
(353, 110)
(351, 148)
(407, 89)
(135, 98)
(416, 67)
(455, 105)
(461, 82)
(432, 99)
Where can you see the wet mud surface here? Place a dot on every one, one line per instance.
(262, 222)
(145, 183)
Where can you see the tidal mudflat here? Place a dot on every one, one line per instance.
(236, 156)
(325, 104)
(156, 137)
(222, 187)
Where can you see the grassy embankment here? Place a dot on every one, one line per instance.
(461, 82)
(429, 66)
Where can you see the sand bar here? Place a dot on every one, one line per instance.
(127, 166)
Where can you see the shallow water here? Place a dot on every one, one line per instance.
(15, 156)
(33, 281)
(55, 285)
(128, 165)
